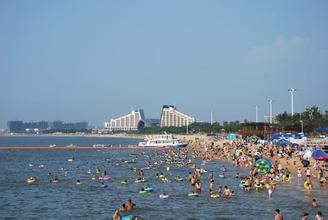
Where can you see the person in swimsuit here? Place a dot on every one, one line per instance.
(198, 187)
(129, 205)
(278, 215)
(116, 215)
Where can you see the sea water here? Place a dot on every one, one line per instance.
(89, 201)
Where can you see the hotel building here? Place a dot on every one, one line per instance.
(171, 117)
(133, 121)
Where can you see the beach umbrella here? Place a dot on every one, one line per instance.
(231, 136)
(305, 163)
(319, 155)
(254, 137)
(283, 142)
(276, 136)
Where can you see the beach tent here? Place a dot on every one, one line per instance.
(319, 155)
(283, 142)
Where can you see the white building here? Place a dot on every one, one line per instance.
(133, 121)
(170, 116)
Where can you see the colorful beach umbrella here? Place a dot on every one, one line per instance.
(319, 155)
(263, 165)
(254, 137)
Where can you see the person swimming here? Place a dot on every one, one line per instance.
(117, 215)
(130, 205)
(278, 215)
(226, 191)
(198, 187)
(123, 208)
(305, 216)
(237, 175)
(314, 203)
(55, 180)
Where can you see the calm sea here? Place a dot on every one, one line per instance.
(89, 201)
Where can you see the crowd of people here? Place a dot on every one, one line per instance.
(285, 162)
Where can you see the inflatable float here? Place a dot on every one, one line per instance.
(163, 196)
(263, 166)
(193, 194)
(31, 180)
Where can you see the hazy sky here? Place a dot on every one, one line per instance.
(94, 60)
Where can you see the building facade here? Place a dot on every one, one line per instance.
(133, 121)
(23, 127)
(40, 126)
(171, 117)
(60, 125)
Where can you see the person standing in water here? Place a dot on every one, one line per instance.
(278, 215)
(198, 187)
(211, 183)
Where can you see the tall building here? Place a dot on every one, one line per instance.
(30, 127)
(170, 116)
(133, 121)
(22, 127)
(60, 125)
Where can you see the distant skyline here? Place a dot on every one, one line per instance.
(96, 60)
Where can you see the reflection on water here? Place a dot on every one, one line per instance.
(67, 200)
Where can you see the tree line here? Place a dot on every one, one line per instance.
(310, 121)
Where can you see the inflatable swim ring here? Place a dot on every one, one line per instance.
(104, 186)
(263, 165)
(148, 189)
(163, 196)
(221, 175)
(105, 178)
(143, 192)
(124, 182)
(140, 180)
(214, 196)
(31, 180)
(193, 194)
(128, 217)
(307, 185)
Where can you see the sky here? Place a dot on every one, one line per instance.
(96, 60)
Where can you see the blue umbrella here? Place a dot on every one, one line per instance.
(319, 155)
(283, 142)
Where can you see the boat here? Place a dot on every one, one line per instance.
(164, 140)
(99, 146)
(71, 146)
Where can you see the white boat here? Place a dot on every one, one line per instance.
(164, 140)
(98, 146)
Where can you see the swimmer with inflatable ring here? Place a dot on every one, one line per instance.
(31, 180)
